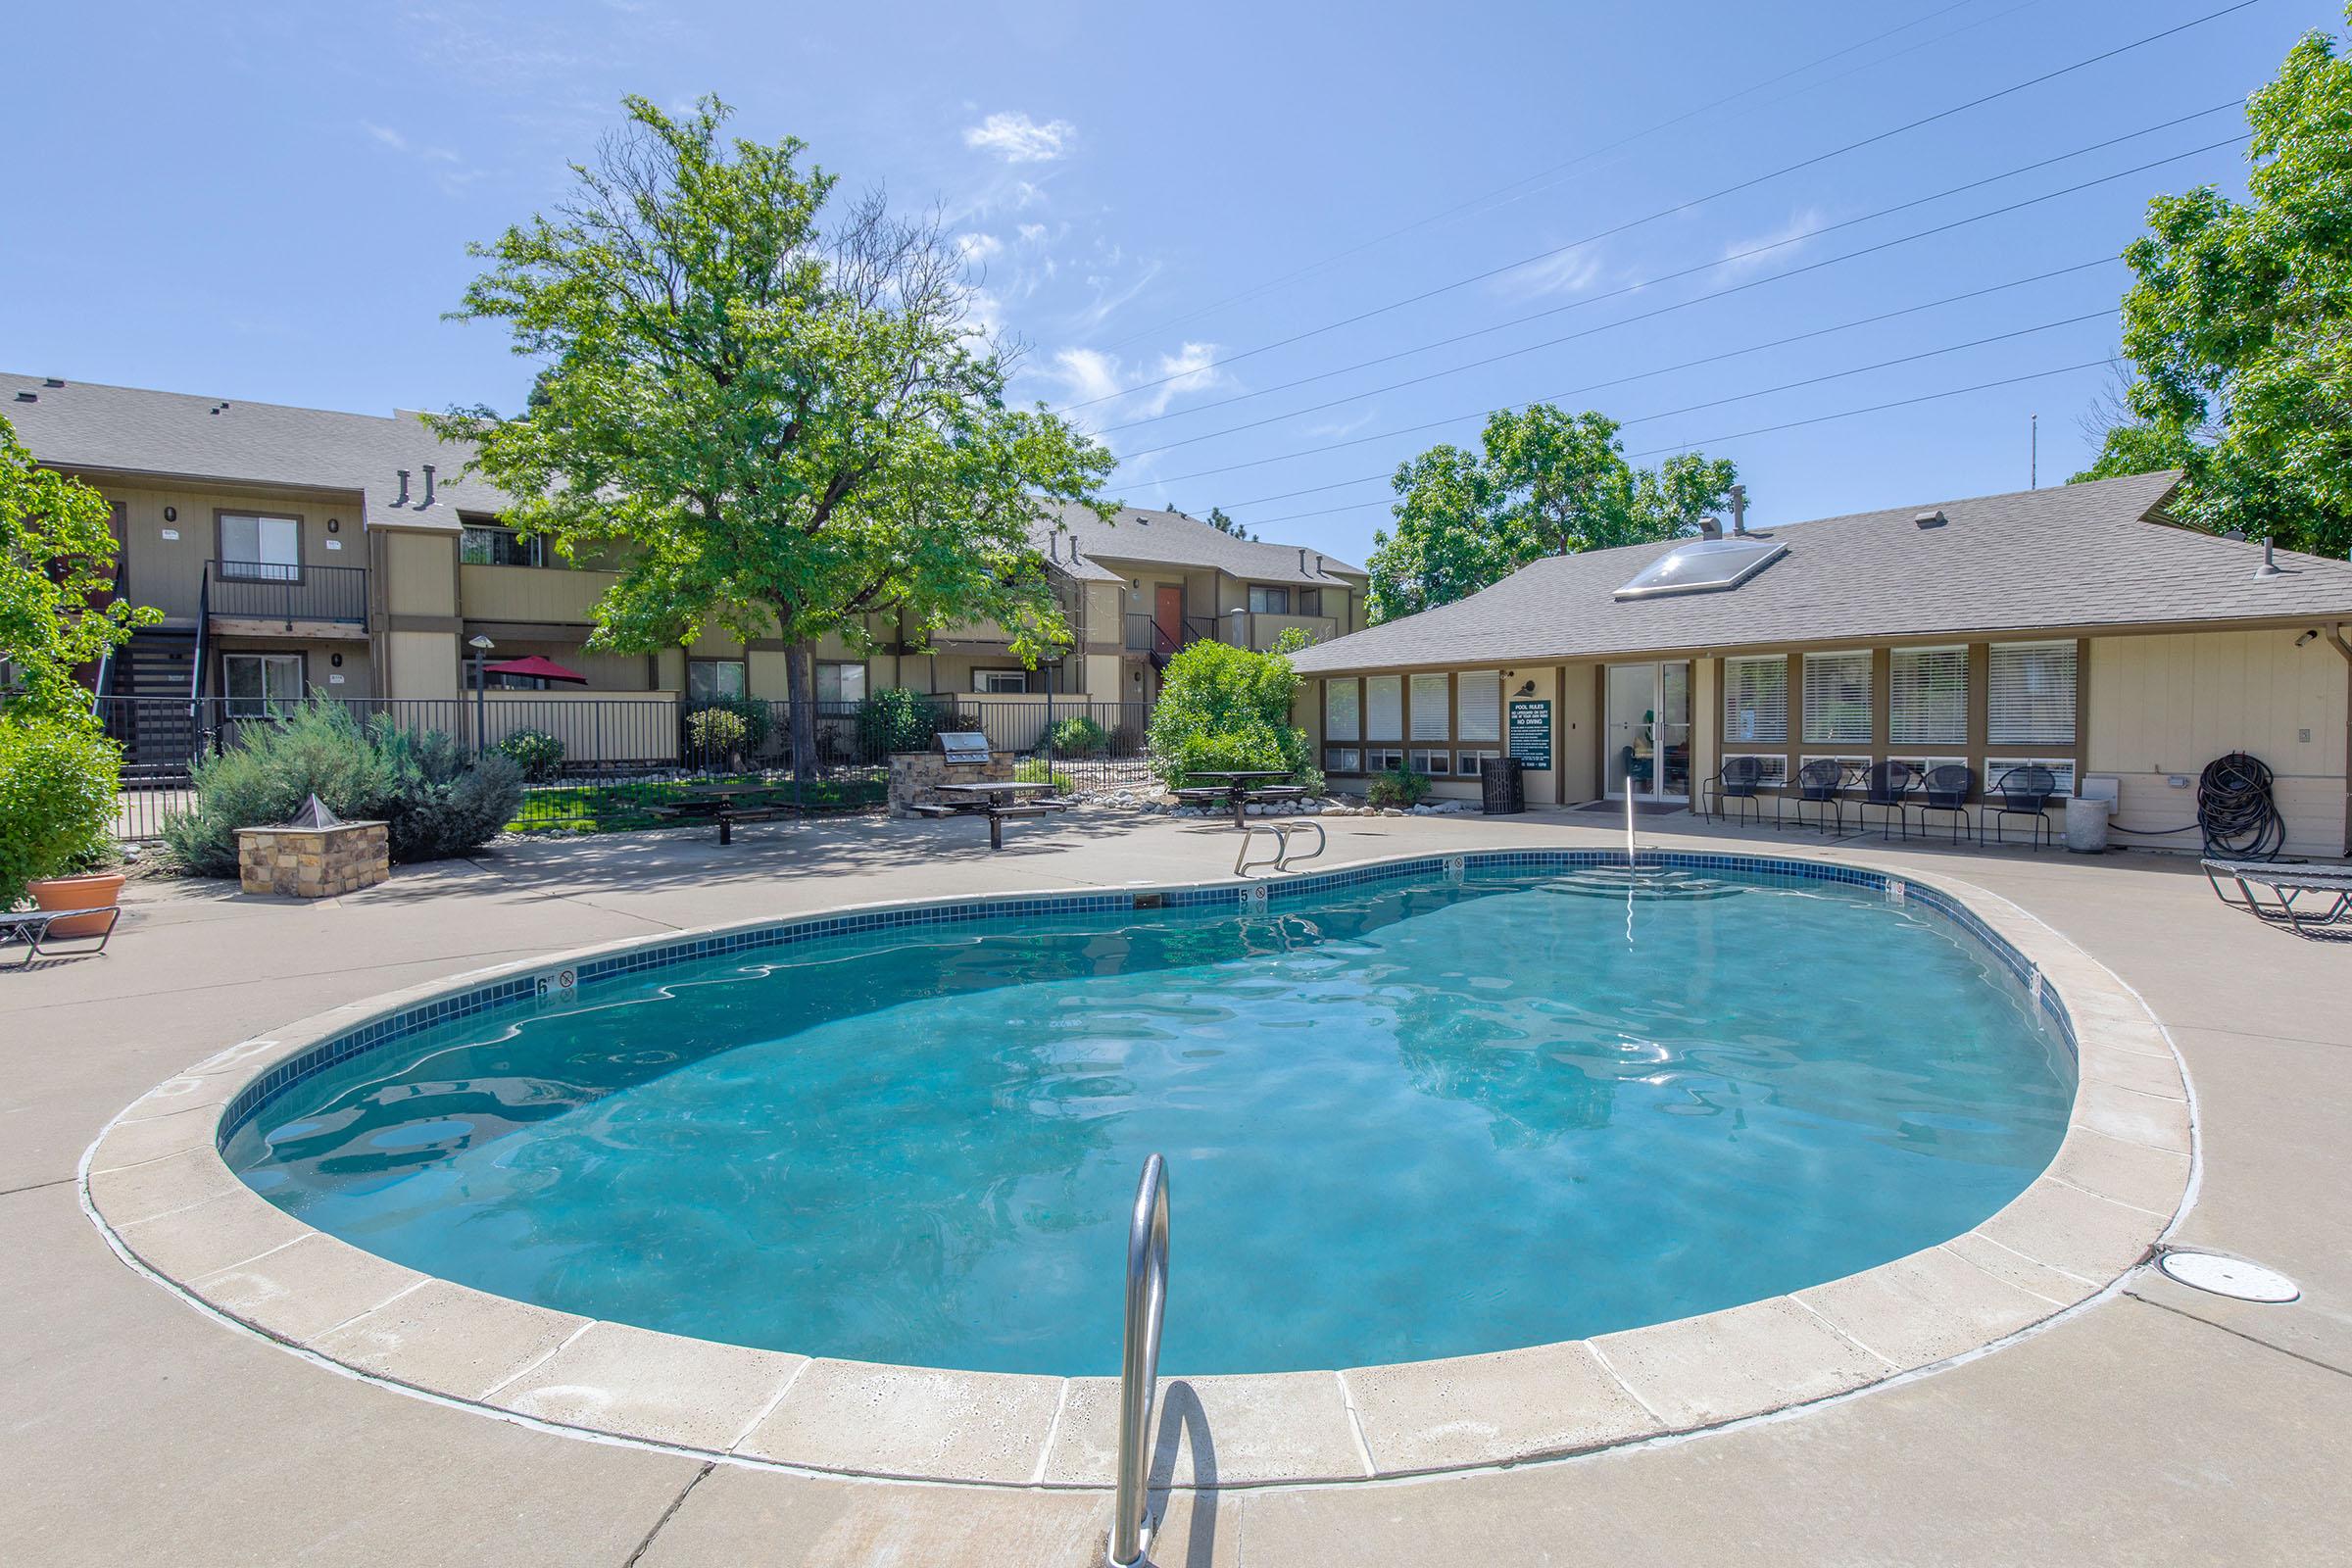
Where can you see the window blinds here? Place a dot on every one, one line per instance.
(1384, 708)
(1928, 697)
(2029, 699)
(1481, 700)
(1340, 710)
(1756, 701)
(1837, 697)
(1430, 699)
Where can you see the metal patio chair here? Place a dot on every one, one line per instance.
(1738, 779)
(1945, 789)
(2024, 791)
(1821, 782)
(1888, 786)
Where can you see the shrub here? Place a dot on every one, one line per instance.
(58, 778)
(717, 732)
(753, 714)
(535, 751)
(1036, 771)
(1078, 736)
(899, 720)
(1222, 707)
(433, 799)
(1399, 786)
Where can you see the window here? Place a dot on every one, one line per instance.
(1837, 697)
(1265, 601)
(255, 683)
(1437, 765)
(2029, 700)
(2062, 767)
(1340, 710)
(1000, 680)
(1927, 764)
(840, 682)
(261, 547)
(1310, 601)
(1479, 698)
(1383, 760)
(1384, 708)
(1466, 764)
(1857, 768)
(1755, 699)
(1430, 699)
(714, 680)
(1927, 696)
(1343, 759)
(1703, 566)
(480, 545)
(1775, 764)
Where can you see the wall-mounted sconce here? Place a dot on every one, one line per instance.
(170, 514)
(335, 660)
(334, 525)
(1528, 690)
(2306, 637)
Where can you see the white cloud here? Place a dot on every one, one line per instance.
(1018, 139)
(387, 135)
(977, 249)
(1031, 234)
(1110, 300)
(1087, 374)
(1761, 250)
(1571, 271)
(1336, 428)
(450, 171)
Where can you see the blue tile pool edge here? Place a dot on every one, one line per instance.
(413, 1017)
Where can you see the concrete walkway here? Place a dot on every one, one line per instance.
(2160, 1425)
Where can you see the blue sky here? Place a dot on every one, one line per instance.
(271, 202)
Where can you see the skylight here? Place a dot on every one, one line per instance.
(1703, 566)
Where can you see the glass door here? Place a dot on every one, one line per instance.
(1647, 731)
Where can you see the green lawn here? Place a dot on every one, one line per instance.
(621, 807)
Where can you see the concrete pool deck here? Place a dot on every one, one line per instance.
(2144, 1426)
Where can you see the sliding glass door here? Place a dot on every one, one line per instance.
(1647, 731)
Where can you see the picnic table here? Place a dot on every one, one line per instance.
(717, 803)
(996, 799)
(1240, 788)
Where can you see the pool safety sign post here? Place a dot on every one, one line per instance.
(1530, 734)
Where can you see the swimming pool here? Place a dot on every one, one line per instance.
(1408, 1115)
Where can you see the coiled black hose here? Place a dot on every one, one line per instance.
(2235, 811)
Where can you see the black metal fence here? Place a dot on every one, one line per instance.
(604, 762)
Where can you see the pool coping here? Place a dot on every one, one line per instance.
(156, 1186)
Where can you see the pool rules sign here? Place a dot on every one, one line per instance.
(1530, 734)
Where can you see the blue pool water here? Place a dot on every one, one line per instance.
(1402, 1120)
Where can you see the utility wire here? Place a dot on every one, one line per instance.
(1762, 430)
(1680, 207)
(1644, 375)
(1504, 195)
(1651, 282)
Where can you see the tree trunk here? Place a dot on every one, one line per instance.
(799, 685)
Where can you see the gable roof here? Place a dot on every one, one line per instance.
(2078, 556)
(93, 429)
(1173, 539)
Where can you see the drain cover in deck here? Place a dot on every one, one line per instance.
(2233, 1277)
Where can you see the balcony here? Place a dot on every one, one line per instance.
(563, 596)
(1260, 629)
(268, 598)
(1144, 635)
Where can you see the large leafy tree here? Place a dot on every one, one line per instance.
(777, 427)
(57, 575)
(2239, 325)
(1543, 482)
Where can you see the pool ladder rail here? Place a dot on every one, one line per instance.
(1139, 1365)
(1283, 855)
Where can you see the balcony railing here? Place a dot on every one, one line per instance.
(1146, 635)
(1262, 629)
(269, 590)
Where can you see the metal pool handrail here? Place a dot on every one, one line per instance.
(1139, 1367)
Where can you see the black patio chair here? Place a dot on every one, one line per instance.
(1888, 786)
(2025, 791)
(1821, 782)
(1738, 779)
(1947, 789)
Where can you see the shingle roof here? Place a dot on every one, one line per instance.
(88, 426)
(2078, 556)
(1170, 538)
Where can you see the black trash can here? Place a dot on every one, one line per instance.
(1501, 785)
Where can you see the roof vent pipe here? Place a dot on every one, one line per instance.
(1931, 519)
(403, 487)
(2269, 566)
(1710, 527)
(1320, 571)
(1302, 560)
(428, 487)
(1739, 510)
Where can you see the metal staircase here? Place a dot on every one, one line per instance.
(149, 706)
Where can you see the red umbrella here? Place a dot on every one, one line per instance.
(535, 665)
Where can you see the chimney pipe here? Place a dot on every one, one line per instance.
(2268, 567)
(1739, 510)
(428, 488)
(1302, 560)
(1710, 527)
(403, 487)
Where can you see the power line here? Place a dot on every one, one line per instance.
(1678, 208)
(1762, 430)
(1643, 376)
(1503, 195)
(1667, 277)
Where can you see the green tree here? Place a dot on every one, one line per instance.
(1218, 519)
(2238, 323)
(1222, 707)
(57, 575)
(782, 428)
(1543, 482)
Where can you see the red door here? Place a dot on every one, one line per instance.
(1167, 619)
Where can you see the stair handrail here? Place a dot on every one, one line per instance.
(1139, 1365)
(103, 686)
(204, 616)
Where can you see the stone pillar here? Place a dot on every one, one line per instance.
(312, 863)
(915, 777)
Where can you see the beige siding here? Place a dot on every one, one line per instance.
(421, 664)
(1579, 722)
(2164, 705)
(168, 573)
(532, 594)
(421, 574)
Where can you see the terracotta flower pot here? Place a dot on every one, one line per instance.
(92, 891)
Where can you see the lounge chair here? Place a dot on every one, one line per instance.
(1739, 778)
(32, 928)
(2286, 884)
(2024, 791)
(1945, 789)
